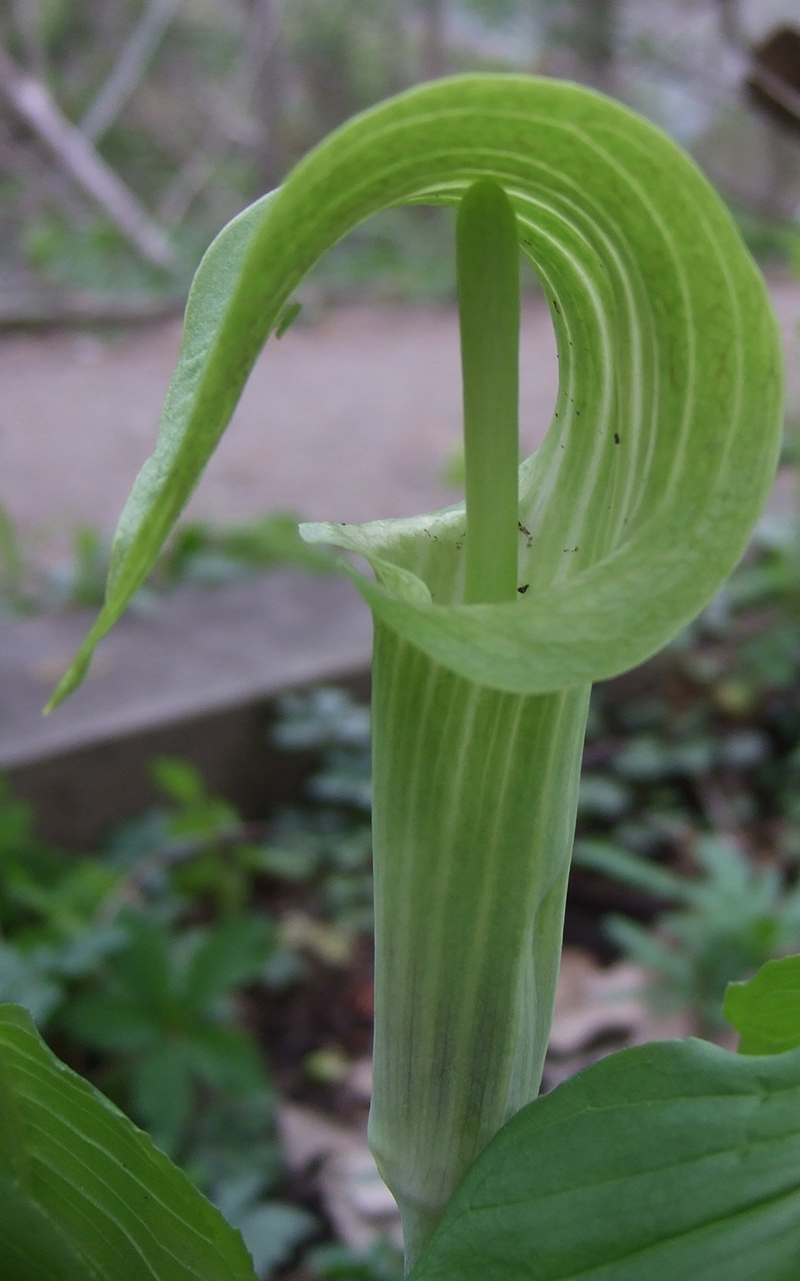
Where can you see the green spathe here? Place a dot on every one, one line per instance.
(666, 430)
(474, 798)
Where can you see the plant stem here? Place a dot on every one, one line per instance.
(473, 818)
(487, 255)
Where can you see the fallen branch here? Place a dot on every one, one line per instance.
(48, 307)
(258, 51)
(129, 69)
(36, 106)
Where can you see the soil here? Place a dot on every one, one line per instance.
(351, 417)
(330, 1010)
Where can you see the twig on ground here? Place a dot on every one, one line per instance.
(195, 174)
(33, 102)
(129, 69)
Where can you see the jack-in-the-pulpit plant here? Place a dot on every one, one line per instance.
(491, 621)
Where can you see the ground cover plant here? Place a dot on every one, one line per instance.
(133, 961)
(308, 868)
(199, 552)
(492, 619)
(146, 967)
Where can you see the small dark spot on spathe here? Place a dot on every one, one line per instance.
(616, 437)
(522, 590)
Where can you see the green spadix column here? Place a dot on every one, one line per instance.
(474, 810)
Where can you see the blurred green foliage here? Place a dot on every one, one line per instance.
(199, 552)
(136, 960)
(690, 785)
(384, 1262)
(139, 961)
(231, 93)
(730, 918)
(773, 241)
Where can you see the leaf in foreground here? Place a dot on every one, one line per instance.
(84, 1194)
(673, 1160)
(766, 1010)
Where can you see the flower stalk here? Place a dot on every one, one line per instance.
(487, 261)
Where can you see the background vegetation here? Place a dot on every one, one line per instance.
(152, 122)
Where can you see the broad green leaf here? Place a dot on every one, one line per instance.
(766, 1010)
(666, 429)
(84, 1195)
(31, 1247)
(674, 1160)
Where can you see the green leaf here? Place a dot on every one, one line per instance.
(143, 971)
(31, 1247)
(112, 1024)
(273, 1231)
(226, 957)
(674, 1160)
(83, 1193)
(766, 1010)
(178, 779)
(667, 426)
(226, 1057)
(161, 1092)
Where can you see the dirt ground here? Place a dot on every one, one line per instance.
(351, 417)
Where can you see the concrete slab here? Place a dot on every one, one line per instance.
(202, 651)
(194, 678)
